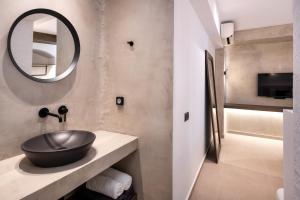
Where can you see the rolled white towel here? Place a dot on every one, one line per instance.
(280, 194)
(105, 185)
(119, 176)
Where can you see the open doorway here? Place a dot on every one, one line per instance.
(254, 73)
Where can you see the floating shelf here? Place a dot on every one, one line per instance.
(257, 107)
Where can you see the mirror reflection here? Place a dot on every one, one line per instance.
(42, 46)
(213, 104)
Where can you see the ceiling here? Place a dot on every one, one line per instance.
(46, 24)
(248, 14)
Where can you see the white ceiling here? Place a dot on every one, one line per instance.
(248, 14)
(46, 24)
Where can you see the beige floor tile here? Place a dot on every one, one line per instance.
(250, 168)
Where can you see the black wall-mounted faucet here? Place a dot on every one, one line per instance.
(44, 112)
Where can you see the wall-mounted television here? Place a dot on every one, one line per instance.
(276, 85)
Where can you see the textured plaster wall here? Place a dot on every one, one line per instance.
(265, 34)
(107, 68)
(143, 75)
(21, 98)
(219, 74)
(65, 48)
(263, 50)
(288, 155)
(296, 115)
(246, 61)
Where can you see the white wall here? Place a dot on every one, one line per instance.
(190, 41)
(21, 45)
(49, 48)
(215, 12)
(254, 122)
(39, 59)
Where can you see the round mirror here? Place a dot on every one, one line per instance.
(43, 45)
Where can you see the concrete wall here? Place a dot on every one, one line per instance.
(296, 114)
(65, 48)
(288, 155)
(246, 61)
(263, 50)
(108, 67)
(219, 73)
(21, 98)
(143, 75)
(189, 138)
(265, 34)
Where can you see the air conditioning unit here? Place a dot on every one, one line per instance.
(227, 33)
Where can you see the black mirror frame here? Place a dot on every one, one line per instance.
(72, 30)
(217, 141)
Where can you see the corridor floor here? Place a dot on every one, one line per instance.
(250, 168)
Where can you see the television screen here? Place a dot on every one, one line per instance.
(276, 85)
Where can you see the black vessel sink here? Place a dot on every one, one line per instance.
(58, 148)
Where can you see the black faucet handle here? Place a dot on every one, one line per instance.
(43, 112)
(62, 110)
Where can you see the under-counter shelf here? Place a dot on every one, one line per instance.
(83, 193)
(21, 180)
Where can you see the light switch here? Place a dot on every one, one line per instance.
(186, 116)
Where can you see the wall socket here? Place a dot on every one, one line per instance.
(120, 101)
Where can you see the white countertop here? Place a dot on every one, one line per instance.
(19, 179)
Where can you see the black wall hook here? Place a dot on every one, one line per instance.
(130, 43)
